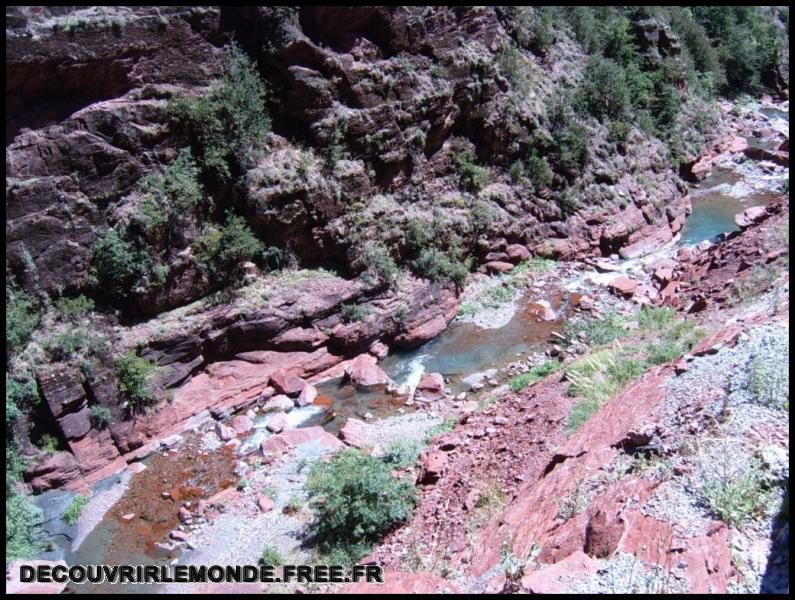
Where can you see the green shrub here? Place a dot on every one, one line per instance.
(49, 444)
(117, 265)
(537, 170)
(356, 501)
(473, 177)
(221, 249)
(75, 508)
(133, 373)
(378, 261)
(354, 312)
(169, 197)
(402, 454)
(437, 265)
(768, 379)
(22, 317)
(604, 93)
(23, 519)
(443, 427)
(20, 396)
(228, 125)
(656, 318)
(537, 373)
(73, 309)
(271, 555)
(663, 352)
(100, 416)
(736, 497)
(598, 331)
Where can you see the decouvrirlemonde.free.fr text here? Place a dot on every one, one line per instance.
(153, 574)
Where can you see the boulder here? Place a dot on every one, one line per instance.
(276, 423)
(623, 286)
(307, 395)
(498, 266)
(364, 373)
(353, 433)
(749, 216)
(224, 432)
(241, 424)
(379, 350)
(543, 310)
(264, 503)
(517, 253)
(430, 388)
(278, 403)
(285, 383)
(431, 466)
(179, 536)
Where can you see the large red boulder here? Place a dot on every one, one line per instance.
(623, 286)
(353, 433)
(363, 372)
(284, 383)
(430, 388)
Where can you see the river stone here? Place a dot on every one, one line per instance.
(279, 403)
(307, 395)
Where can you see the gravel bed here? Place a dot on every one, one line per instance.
(625, 574)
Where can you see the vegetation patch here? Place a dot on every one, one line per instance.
(74, 510)
(133, 373)
(537, 373)
(356, 501)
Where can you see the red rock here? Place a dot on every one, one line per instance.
(224, 432)
(363, 372)
(663, 275)
(543, 310)
(222, 497)
(353, 433)
(241, 424)
(379, 350)
(307, 395)
(178, 535)
(15, 586)
(431, 467)
(749, 216)
(555, 579)
(55, 470)
(496, 256)
(278, 403)
(285, 383)
(136, 467)
(723, 338)
(497, 266)
(603, 534)
(184, 514)
(276, 423)
(517, 253)
(623, 286)
(264, 503)
(430, 388)
(275, 446)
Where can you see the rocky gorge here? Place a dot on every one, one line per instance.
(411, 272)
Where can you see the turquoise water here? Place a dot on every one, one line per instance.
(714, 209)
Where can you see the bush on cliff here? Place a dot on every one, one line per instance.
(356, 501)
(227, 126)
(133, 373)
(439, 266)
(117, 265)
(170, 196)
(221, 248)
(22, 317)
